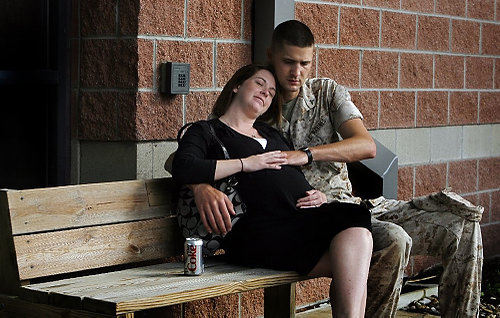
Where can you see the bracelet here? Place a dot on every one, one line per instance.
(241, 165)
(309, 155)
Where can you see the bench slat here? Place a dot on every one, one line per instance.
(50, 253)
(56, 208)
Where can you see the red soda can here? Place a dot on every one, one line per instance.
(193, 257)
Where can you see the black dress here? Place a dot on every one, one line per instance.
(273, 233)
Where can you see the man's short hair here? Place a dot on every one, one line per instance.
(292, 32)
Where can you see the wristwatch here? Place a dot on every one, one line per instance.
(309, 155)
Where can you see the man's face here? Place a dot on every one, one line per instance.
(292, 65)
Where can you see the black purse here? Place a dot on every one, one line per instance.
(188, 215)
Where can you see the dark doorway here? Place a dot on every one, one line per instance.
(34, 90)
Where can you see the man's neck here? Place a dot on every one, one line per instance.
(288, 96)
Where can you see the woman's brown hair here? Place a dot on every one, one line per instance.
(273, 114)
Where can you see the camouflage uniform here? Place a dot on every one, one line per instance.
(442, 224)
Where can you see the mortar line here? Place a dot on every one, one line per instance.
(450, 38)
(399, 70)
(379, 109)
(495, 10)
(117, 18)
(447, 174)
(433, 71)
(416, 33)
(338, 26)
(380, 28)
(480, 38)
(242, 17)
(466, 9)
(155, 45)
(185, 18)
(214, 53)
(478, 106)
(465, 71)
(415, 115)
(359, 68)
(494, 71)
(449, 105)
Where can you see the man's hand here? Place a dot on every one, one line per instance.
(314, 199)
(296, 157)
(214, 207)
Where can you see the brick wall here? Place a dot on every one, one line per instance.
(424, 73)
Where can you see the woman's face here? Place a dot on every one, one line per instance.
(257, 92)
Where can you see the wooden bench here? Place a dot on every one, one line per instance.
(101, 250)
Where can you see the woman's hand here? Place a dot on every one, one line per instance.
(267, 160)
(314, 199)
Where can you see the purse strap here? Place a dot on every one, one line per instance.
(212, 132)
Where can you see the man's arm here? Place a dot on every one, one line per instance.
(357, 144)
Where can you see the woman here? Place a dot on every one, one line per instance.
(288, 225)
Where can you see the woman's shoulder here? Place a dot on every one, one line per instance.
(201, 127)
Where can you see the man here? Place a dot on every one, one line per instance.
(315, 113)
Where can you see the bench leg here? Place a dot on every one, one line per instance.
(127, 315)
(279, 301)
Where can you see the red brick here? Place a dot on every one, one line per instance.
(449, 71)
(342, 65)
(126, 107)
(247, 23)
(489, 107)
(498, 11)
(252, 303)
(359, 27)
(462, 176)
(491, 39)
(491, 237)
(367, 103)
(128, 16)
(379, 69)
(463, 108)
(98, 17)
(382, 3)
(481, 9)
(346, 1)
(495, 206)
(430, 179)
(398, 30)
(145, 64)
(174, 311)
(217, 307)
(109, 63)
(432, 109)
(158, 117)
(397, 109)
(479, 72)
(464, 36)
(312, 290)
(489, 170)
(484, 201)
(75, 56)
(416, 70)
(418, 5)
(421, 262)
(433, 33)
(97, 116)
(165, 17)
(74, 30)
(451, 7)
(214, 18)
(405, 183)
(198, 54)
(199, 105)
(323, 32)
(497, 73)
(230, 57)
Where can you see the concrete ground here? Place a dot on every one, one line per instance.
(326, 312)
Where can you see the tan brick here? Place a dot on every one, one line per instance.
(214, 18)
(230, 57)
(126, 107)
(312, 290)
(481, 9)
(451, 7)
(98, 17)
(465, 36)
(479, 72)
(433, 33)
(222, 306)
(449, 71)
(484, 201)
(342, 65)
(394, 4)
(489, 107)
(432, 109)
(416, 70)
(359, 27)
(422, 262)
(418, 5)
(247, 23)
(165, 17)
(491, 237)
(379, 69)
(397, 109)
(405, 183)
(489, 170)
(398, 30)
(429, 179)
(145, 64)
(128, 16)
(198, 54)
(495, 206)
(463, 108)
(158, 117)
(252, 303)
(97, 116)
(367, 103)
(491, 39)
(462, 176)
(109, 63)
(324, 29)
(199, 105)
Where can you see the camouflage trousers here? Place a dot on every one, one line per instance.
(442, 225)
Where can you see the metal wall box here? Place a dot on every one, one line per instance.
(174, 78)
